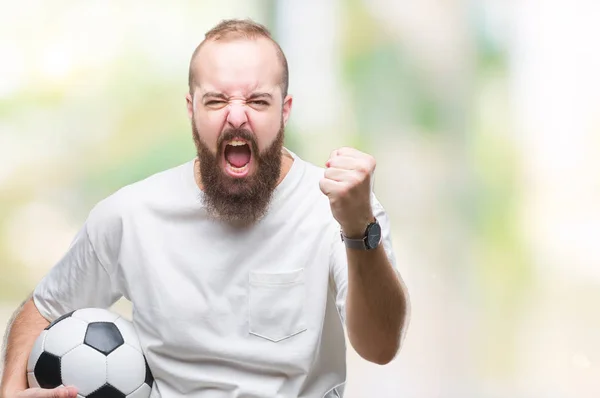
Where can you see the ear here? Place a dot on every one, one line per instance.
(287, 108)
(189, 99)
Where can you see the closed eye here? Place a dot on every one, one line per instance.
(215, 102)
(259, 102)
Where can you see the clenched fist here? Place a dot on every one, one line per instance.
(347, 183)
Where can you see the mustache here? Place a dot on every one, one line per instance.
(244, 134)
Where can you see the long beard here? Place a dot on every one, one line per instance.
(239, 201)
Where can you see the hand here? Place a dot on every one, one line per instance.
(58, 392)
(347, 183)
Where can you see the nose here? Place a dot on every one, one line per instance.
(237, 117)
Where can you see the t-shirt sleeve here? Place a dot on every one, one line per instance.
(86, 275)
(339, 261)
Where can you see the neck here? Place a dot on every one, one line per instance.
(286, 164)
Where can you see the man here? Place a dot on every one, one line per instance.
(234, 262)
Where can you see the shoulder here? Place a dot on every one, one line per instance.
(126, 201)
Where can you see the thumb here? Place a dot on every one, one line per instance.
(58, 392)
(62, 392)
(68, 392)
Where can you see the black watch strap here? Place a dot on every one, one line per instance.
(363, 243)
(358, 244)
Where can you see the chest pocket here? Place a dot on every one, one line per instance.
(276, 304)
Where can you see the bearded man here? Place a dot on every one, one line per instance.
(243, 265)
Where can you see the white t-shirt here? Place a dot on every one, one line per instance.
(220, 312)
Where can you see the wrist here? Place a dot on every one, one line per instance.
(356, 229)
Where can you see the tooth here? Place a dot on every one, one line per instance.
(236, 143)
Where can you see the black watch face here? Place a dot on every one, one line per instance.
(373, 236)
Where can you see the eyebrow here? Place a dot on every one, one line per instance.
(260, 95)
(212, 94)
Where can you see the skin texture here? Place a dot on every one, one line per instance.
(237, 93)
(22, 333)
(235, 71)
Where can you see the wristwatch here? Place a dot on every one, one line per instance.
(370, 240)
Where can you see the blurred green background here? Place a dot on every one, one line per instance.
(484, 118)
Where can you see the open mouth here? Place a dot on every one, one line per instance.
(238, 157)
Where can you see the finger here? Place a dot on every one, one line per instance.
(350, 152)
(36, 392)
(366, 161)
(328, 186)
(333, 154)
(72, 391)
(343, 162)
(60, 392)
(339, 175)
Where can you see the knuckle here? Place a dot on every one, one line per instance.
(357, 177)
(371, 161)
(363, 168)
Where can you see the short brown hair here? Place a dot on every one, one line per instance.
(245, 29)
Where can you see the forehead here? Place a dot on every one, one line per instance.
(237, 67)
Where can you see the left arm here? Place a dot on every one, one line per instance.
(376, 300)
(376, 305)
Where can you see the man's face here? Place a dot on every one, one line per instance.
(238, 117)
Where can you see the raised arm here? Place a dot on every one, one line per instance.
(374, 296)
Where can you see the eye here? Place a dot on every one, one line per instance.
(215, 104)
(259, 103)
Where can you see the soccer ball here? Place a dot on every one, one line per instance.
(93, 349)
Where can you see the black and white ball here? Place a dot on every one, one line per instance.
(93, 349)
